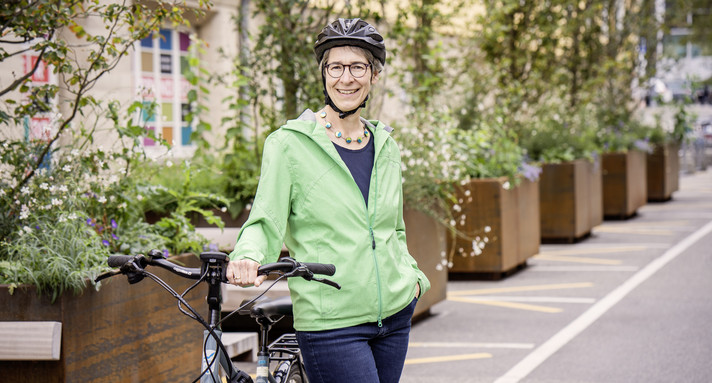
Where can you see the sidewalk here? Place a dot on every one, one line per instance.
(586, 312)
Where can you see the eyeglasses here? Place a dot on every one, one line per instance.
(336, 70)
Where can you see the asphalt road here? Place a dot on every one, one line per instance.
(631, 303)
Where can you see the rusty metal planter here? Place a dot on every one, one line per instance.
(663, 166)
(427, 244)
(513, 217)
(625, 187)
(121, 333)
(571, 200)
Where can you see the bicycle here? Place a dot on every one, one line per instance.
(284, 351)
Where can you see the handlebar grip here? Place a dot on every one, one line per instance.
(321, 268)
(119, 260)
(288, 265)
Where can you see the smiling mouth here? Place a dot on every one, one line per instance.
(347, 91)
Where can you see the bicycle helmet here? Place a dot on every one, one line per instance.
(348, 32)
(354, 32)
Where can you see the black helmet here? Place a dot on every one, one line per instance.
(354, 32)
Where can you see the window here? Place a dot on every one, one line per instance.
(162, 64)
(674, 46)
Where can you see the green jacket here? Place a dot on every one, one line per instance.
(308, 200)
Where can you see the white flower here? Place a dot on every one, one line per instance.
(506, 185)
(139, 197)
(25, 190)
(24, 212)
(487, 229)
(57, 202)
(2, 192)
(44, 186)
(101, 199)
(67, 168)
(63, 188)
(72, 216)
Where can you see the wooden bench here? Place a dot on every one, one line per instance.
(30, 340)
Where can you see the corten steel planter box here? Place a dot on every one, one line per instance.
(121, 333)
(625, 187)
(663, 166)
(513, 217)
(571, 200)
(426, 239)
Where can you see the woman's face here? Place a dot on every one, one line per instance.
(347, 91)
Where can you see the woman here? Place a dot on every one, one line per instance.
(330, 190)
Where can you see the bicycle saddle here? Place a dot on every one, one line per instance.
(272, 308)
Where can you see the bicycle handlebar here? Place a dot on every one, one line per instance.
(133, 265)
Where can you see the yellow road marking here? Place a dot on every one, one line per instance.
(522, 346)
(595, 261)
(556, 286)
(448, 358)
(510, 305)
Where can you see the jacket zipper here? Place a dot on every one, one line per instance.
(373, 244)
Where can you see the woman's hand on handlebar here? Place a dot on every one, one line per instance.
(244, 273)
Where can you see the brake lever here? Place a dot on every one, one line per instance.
(309, 276)
(327, 282)
(107, 274)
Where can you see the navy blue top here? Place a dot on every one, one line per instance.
(360, 163)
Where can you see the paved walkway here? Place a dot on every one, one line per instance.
(628, 304)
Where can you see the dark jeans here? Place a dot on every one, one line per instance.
(363, 353)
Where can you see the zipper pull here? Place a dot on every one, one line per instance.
(373, 242)
(380, 323)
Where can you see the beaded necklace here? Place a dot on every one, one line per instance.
(340, 135)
